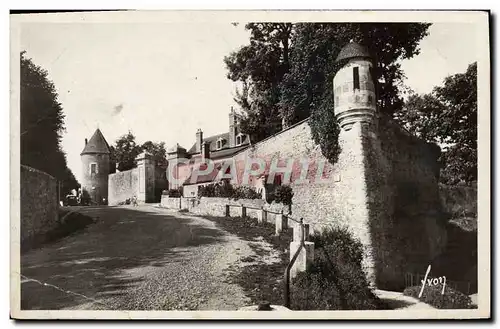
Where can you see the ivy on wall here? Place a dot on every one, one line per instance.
(324, 126)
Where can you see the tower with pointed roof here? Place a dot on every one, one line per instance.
(95, 168)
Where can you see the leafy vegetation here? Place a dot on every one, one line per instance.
(126, 150)
(282, 194)
(448, 115)
(336, 280)
(42, 125)
(224, 189)
(286, 73)
(173, 193)
(432, 295)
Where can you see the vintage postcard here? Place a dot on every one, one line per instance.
(250, 165)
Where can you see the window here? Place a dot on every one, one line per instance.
(240, 139)
(220, 143)
(355, 76)
(93, 168)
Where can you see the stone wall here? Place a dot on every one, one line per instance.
(331, 195)
(405, 218)
(383, 188)
(217, 206)
(122, 186)
(168, 202)
(39, 208)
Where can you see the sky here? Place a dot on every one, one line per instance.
(163, 81)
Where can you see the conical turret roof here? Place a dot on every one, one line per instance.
(352, 50)
(96, 144)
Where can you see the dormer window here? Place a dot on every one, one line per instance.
(240, 139)
(220, 143)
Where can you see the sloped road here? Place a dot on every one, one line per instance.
(136, 258)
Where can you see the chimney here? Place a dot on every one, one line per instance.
(199, 140)
(205, 152)
(86, 141)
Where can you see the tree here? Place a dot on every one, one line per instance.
(448, 116)
(260, 68)
(42, 125)
(126, 151)
(157, 150)
(287, 73)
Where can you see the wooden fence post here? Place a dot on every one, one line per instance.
(281, 222)
(261, 215)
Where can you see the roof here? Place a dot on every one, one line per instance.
(352, 50)
(210, 177)
(224, 152)
(96, 144)
(213, 142)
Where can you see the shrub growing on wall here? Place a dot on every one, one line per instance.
(335, 281)
(283, 194)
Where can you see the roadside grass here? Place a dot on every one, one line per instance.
(260, 281)
(69, 222)
(433, 295)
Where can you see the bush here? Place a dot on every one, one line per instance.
(173, 193)
(207, 191)
(245, 192)
(432, 295)
(224, 189)
(283, 194)
(335, 281)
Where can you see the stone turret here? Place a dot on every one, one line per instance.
(95, 168)
(354, 87)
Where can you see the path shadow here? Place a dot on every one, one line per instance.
(94, 261)
(394, 304)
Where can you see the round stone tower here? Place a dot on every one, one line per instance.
(95, 167)
(354, 87)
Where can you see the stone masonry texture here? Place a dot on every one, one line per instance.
(123, 185)
(383, 188)
(95, 184)
(39, 208)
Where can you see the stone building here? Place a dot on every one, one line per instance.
(218, 148)
(95, 168)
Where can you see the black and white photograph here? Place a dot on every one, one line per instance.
(250, 165)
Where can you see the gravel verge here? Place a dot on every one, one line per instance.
(261, 274)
